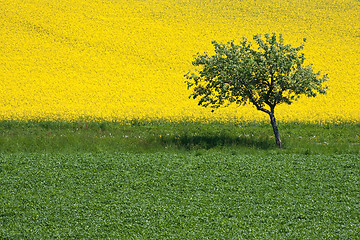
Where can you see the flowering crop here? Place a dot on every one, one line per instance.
(117, 60)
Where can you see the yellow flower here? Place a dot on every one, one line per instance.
(112, 60)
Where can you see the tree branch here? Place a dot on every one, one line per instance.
(251, 97)
(271, 88)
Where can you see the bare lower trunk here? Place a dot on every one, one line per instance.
(276, 130)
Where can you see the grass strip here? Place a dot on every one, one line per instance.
(137, 136)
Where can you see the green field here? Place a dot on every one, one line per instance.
(178, 181)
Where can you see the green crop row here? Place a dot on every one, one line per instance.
(184, 195)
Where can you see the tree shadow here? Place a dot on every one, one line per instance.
(212, 141)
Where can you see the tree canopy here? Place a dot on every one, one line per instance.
(271, 74)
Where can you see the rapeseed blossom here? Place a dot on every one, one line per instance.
(118, 60)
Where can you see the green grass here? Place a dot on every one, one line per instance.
(213, 195)
(163, 136)
(160, 180)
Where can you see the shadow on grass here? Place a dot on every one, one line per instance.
(207, 142)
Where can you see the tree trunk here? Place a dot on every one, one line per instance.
(275, 128)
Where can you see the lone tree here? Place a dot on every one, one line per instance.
(272, 74)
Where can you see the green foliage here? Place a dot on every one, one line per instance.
(272, 74)
(184, 195)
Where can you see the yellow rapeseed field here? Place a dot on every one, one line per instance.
(125, 59)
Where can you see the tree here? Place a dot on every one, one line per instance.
(272, 74)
